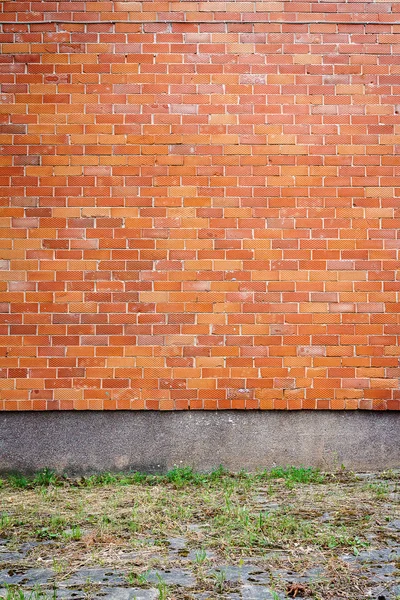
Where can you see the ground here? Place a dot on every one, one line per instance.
(287, 533)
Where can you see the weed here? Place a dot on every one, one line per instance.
(75, 533)
(380, 490)
(59, 566)
(17, 480)
(294, 475)
(178, 476)
(16, 593)
(340, 537)
(133, 526)
(181, 476)
(162, 588)
(218, 474)
(46, 533)
(135, 478)
(220, 580)
(392, 475)
(57, 521)
(200, 556)
(45, 477)
(100, 479)
(139, 579)
(4, 520)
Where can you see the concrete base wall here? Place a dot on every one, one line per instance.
(84, 442)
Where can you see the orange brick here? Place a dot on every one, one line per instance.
(233, 248)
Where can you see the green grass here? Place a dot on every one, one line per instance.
(162, 588)
(4, 520)
(293, 475)
(17, 480)
(16, 593)
(220, 579)
(201, 556)
(45, 478)
(380, 489)
(178, 476)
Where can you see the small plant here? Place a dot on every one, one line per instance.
(294, 475)
(133, 526)
(99, 479)
(4, 520)
(59, 566)
(220, 579)
(356, 543)
(45, 478)
(181, 476)
(162, 588)
(261, 520)
(46, 533)
(200, 556)
(139, 579)
(57, 521)
(74, 534)
(15, 593)
(218, 474)
(136, 478)
(380, 490)
(228, 501)
(17, 480)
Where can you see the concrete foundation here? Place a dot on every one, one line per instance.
(85, 442)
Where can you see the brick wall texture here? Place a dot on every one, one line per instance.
(200, 205)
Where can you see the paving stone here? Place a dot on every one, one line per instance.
(118, 593)
(62, 594)
(104, 576)
(212, 595)
(179, 577)
(177, 543)
(258, 592)
(27, 547)
(29, 578)
(194, 554)
(385, 593)
(395, 525)
(11, 558)
(235, 574)
(380, 556)
(197, 526)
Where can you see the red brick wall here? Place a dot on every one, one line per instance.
(200, 205)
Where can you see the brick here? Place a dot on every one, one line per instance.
(222, 230)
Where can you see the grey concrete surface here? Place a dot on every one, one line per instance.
(85, 442)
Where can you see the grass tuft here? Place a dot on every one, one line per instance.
(294, 475)
(16, 480)
(178, 476)
(16, 593)
(45, 478)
